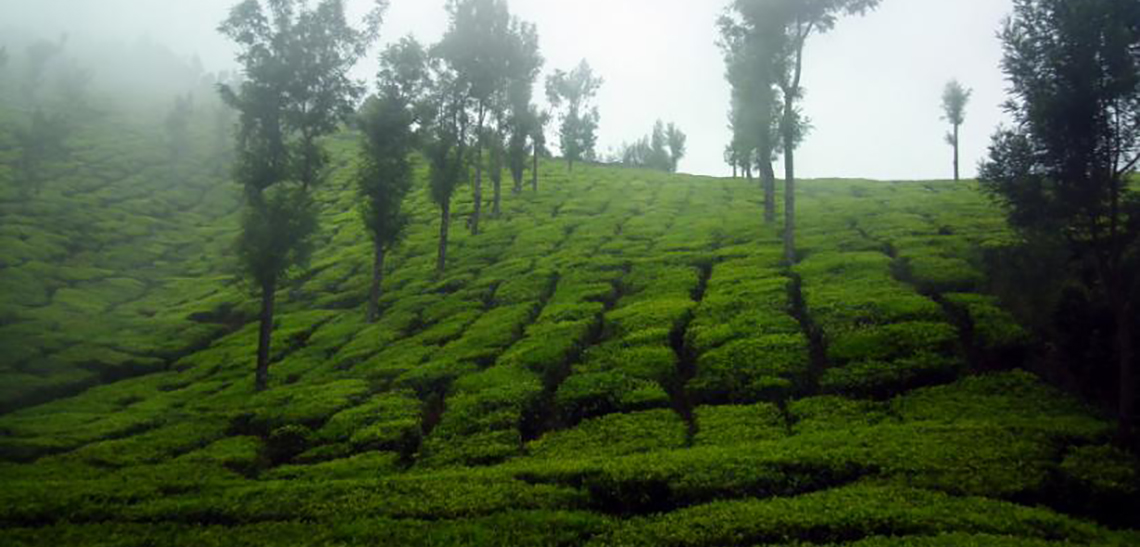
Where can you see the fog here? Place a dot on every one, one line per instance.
(873, 84)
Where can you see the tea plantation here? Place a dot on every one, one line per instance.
(621, 358)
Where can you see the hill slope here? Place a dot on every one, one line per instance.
(620, 359)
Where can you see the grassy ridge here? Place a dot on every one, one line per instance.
(620, 359)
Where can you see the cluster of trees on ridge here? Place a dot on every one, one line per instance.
(468, 96)
(662, 149)
(1062, 172)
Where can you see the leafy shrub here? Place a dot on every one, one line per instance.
(751, 369)
(733, 425)
(613, 435)
(286, 442)
(1013, 399)
(883, 378)
(390, 421)
(589, 394)
(833, 412)
(844, 513)
(892, 341)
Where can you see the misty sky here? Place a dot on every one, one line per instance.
(873, 84)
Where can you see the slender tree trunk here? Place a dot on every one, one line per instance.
(444, 225)
(1124, 353)
(789, 130)
(789, 193)
(748, 173)
(518, 167)
(496, 180)
(956, 179)
(768, 178)
(377, 279)
(534, 171)
(265, 335)
(478, 173)
(735, 174)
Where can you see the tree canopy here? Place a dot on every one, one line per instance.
(1062, 170)
(572, 92)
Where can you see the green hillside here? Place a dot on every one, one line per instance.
(620, 359)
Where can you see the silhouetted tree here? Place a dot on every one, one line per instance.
(291, 96)
(677, 146)
(72, 85)
(384, 178)
(538, 142)
(446, 133)
(662, 149)
(477, 48)
(39, 55)
(1063, 170)
(321, 48)
(177, 126)
(41, 142)
(792, 22)
(523, 67)
(750, 53)
(578, 131)
(954, 99)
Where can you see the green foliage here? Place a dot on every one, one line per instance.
(578, 129)
(843, 513)
(1103, 469)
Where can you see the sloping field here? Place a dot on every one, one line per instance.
(620, 359)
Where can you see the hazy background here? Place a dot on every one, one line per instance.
(873, 85)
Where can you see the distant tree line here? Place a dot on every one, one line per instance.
(465, 103)
(662, 149)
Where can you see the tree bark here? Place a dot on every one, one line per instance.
(789, 200)
(735, 174)
(377, 279)
(496, 181)
(478, 172)
(265, 335)
(444, 225)
(534, 171)
(768, 177)
(956, 179)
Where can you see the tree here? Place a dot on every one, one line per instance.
(677, 143)
(321, 49)
(578, 130)
(290, 97)
(538, 142)
(954, 99)
(1063, 170)
(750, 53)
(39, 56)
(523, 67)
(789, 24)
(446, 127)
(477, 48)
(72, 84)
(662, 149)
(385, 174)
(41, 142)
(177, 126)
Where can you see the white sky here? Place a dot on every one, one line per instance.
(873, 85)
